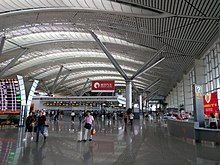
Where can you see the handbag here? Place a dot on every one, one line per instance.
(93, 131)
(87, 126)
(46, 131)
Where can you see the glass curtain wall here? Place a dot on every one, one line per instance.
(212, 70)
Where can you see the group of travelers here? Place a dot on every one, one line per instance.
(128, 116)
(35, 122)
(56, 115)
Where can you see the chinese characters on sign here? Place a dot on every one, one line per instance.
(211, 104)
(103, 86)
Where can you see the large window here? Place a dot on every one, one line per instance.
(212, 70)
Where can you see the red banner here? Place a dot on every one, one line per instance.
(211, 104)
(103, 86)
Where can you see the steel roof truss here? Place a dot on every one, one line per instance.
(110, 57)
(63, 79)
(57, 77)
(146, 64)
(12, 63)
(2, 44)
(83, 90)
(151, 85)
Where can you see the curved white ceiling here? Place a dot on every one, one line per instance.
(100, 5)
(31, 61)
(56, 33)
(45, 37)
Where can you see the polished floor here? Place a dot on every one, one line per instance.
(144, 143)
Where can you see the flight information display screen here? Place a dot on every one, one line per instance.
(10, 97)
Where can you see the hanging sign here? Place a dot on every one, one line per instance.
(103, 86)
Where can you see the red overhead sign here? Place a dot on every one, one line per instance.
(103, 86)
(211, 104)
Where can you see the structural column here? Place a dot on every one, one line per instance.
(140, 103)
(198, 92)
(128, 94)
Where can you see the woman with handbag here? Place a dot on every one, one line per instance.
(30, 126)
(89, 123)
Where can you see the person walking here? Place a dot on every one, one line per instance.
(30, 125)
(41, 122)
(89, 124)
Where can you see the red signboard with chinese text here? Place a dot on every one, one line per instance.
(211, 104)
(103, 86)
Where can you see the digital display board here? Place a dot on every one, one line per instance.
(10, 97)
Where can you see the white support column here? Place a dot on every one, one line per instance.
(128, 94)
(140, 102)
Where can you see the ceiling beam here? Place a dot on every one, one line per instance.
(153, 35)
(110, 57)
(150, 95)
(151, 66)
(12, 63)
(58, 84)
(56, 79)
(135, 88)
(84, 87)
(2, 44)
(162, 13)
(151, 85)
(146, 64)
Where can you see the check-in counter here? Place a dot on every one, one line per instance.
(191, 130)
(206, 134)
(181, 128)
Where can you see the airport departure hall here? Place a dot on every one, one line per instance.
(144, 74)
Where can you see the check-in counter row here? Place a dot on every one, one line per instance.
(191, 130)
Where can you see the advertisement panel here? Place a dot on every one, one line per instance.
(211, 104)
(103, 86)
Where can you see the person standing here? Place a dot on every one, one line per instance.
(41, 121)
(131, 117)
(80, 117)
(89, 123)
(125, 117)
(213, 123)
(72, 116)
